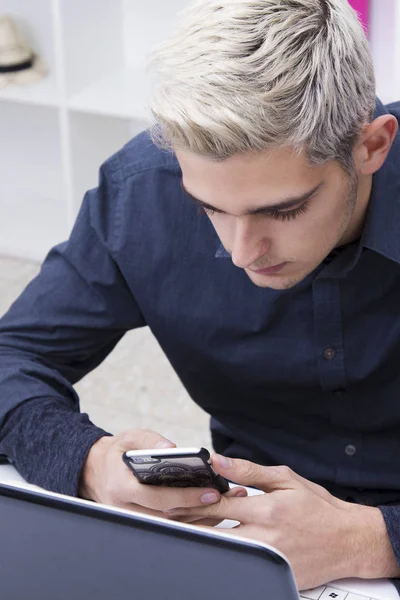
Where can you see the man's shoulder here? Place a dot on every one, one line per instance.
(129, 203)
(138, 155)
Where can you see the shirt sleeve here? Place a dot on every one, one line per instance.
(66, 321)
(49, 443)
(391, 515)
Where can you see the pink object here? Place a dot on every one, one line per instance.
(362, 7)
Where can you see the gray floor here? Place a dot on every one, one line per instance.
(134, 387)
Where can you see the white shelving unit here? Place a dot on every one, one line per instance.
(385, 47)
(55, 134)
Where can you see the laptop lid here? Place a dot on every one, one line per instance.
(56, 548)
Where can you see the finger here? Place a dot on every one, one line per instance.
(249, 531)
(266, 479)
(139, 509)
(165, 498)
(236, 492)
(196, 521)
(207, 522)
(245, 510)
(245, 472)
(174, 514)
(155, 513)
(142, 439)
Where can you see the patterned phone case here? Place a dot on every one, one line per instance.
(176, 471)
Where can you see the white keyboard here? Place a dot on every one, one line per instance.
(330, 593)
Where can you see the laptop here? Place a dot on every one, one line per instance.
(54, 547)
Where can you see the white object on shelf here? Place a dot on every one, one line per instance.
(55, 133)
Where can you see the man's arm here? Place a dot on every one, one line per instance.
(48, 443)
(391, 516)
(62, 326)
(324, 538)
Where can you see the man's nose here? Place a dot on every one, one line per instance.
(246, 248)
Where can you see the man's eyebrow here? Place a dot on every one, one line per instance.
(269, 209)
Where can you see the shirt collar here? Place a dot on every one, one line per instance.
(382, 229)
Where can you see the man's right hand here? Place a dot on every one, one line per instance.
(105, 478)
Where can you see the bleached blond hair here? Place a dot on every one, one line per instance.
(243, 76)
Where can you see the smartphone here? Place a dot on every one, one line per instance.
(175, 467)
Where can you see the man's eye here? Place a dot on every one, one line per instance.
(287, 215)
(279, 215)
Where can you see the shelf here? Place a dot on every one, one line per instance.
(41, 93)
(32, 199)
(121, 94)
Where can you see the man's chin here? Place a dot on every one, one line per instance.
(280, 281)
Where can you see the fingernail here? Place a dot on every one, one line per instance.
(209, 498)
(241, 494)
(224, 461)
(164, 444)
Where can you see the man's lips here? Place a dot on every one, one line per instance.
(270, 270)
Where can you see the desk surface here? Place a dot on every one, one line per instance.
(8, 473)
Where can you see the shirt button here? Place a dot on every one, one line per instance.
(329, 353)
(350, 450)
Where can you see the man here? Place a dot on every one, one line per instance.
(278, 308)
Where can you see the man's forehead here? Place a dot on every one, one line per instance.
(284, 170)
(268, 157)
(251, 184)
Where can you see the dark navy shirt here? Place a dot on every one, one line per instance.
(308, 377)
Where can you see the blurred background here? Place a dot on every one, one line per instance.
(83, 97)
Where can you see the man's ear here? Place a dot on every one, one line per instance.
(375, 143)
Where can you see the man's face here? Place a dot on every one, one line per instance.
(277, 216)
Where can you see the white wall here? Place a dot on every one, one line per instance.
(385, 47)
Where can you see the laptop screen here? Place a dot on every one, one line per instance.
(53, 549)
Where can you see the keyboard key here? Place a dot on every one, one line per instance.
(333, 594)
(314, 594)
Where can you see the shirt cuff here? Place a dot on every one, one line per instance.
(48, 443)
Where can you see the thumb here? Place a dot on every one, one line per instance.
(143, 439)
(248, 473)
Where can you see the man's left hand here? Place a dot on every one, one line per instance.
(323, 537)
